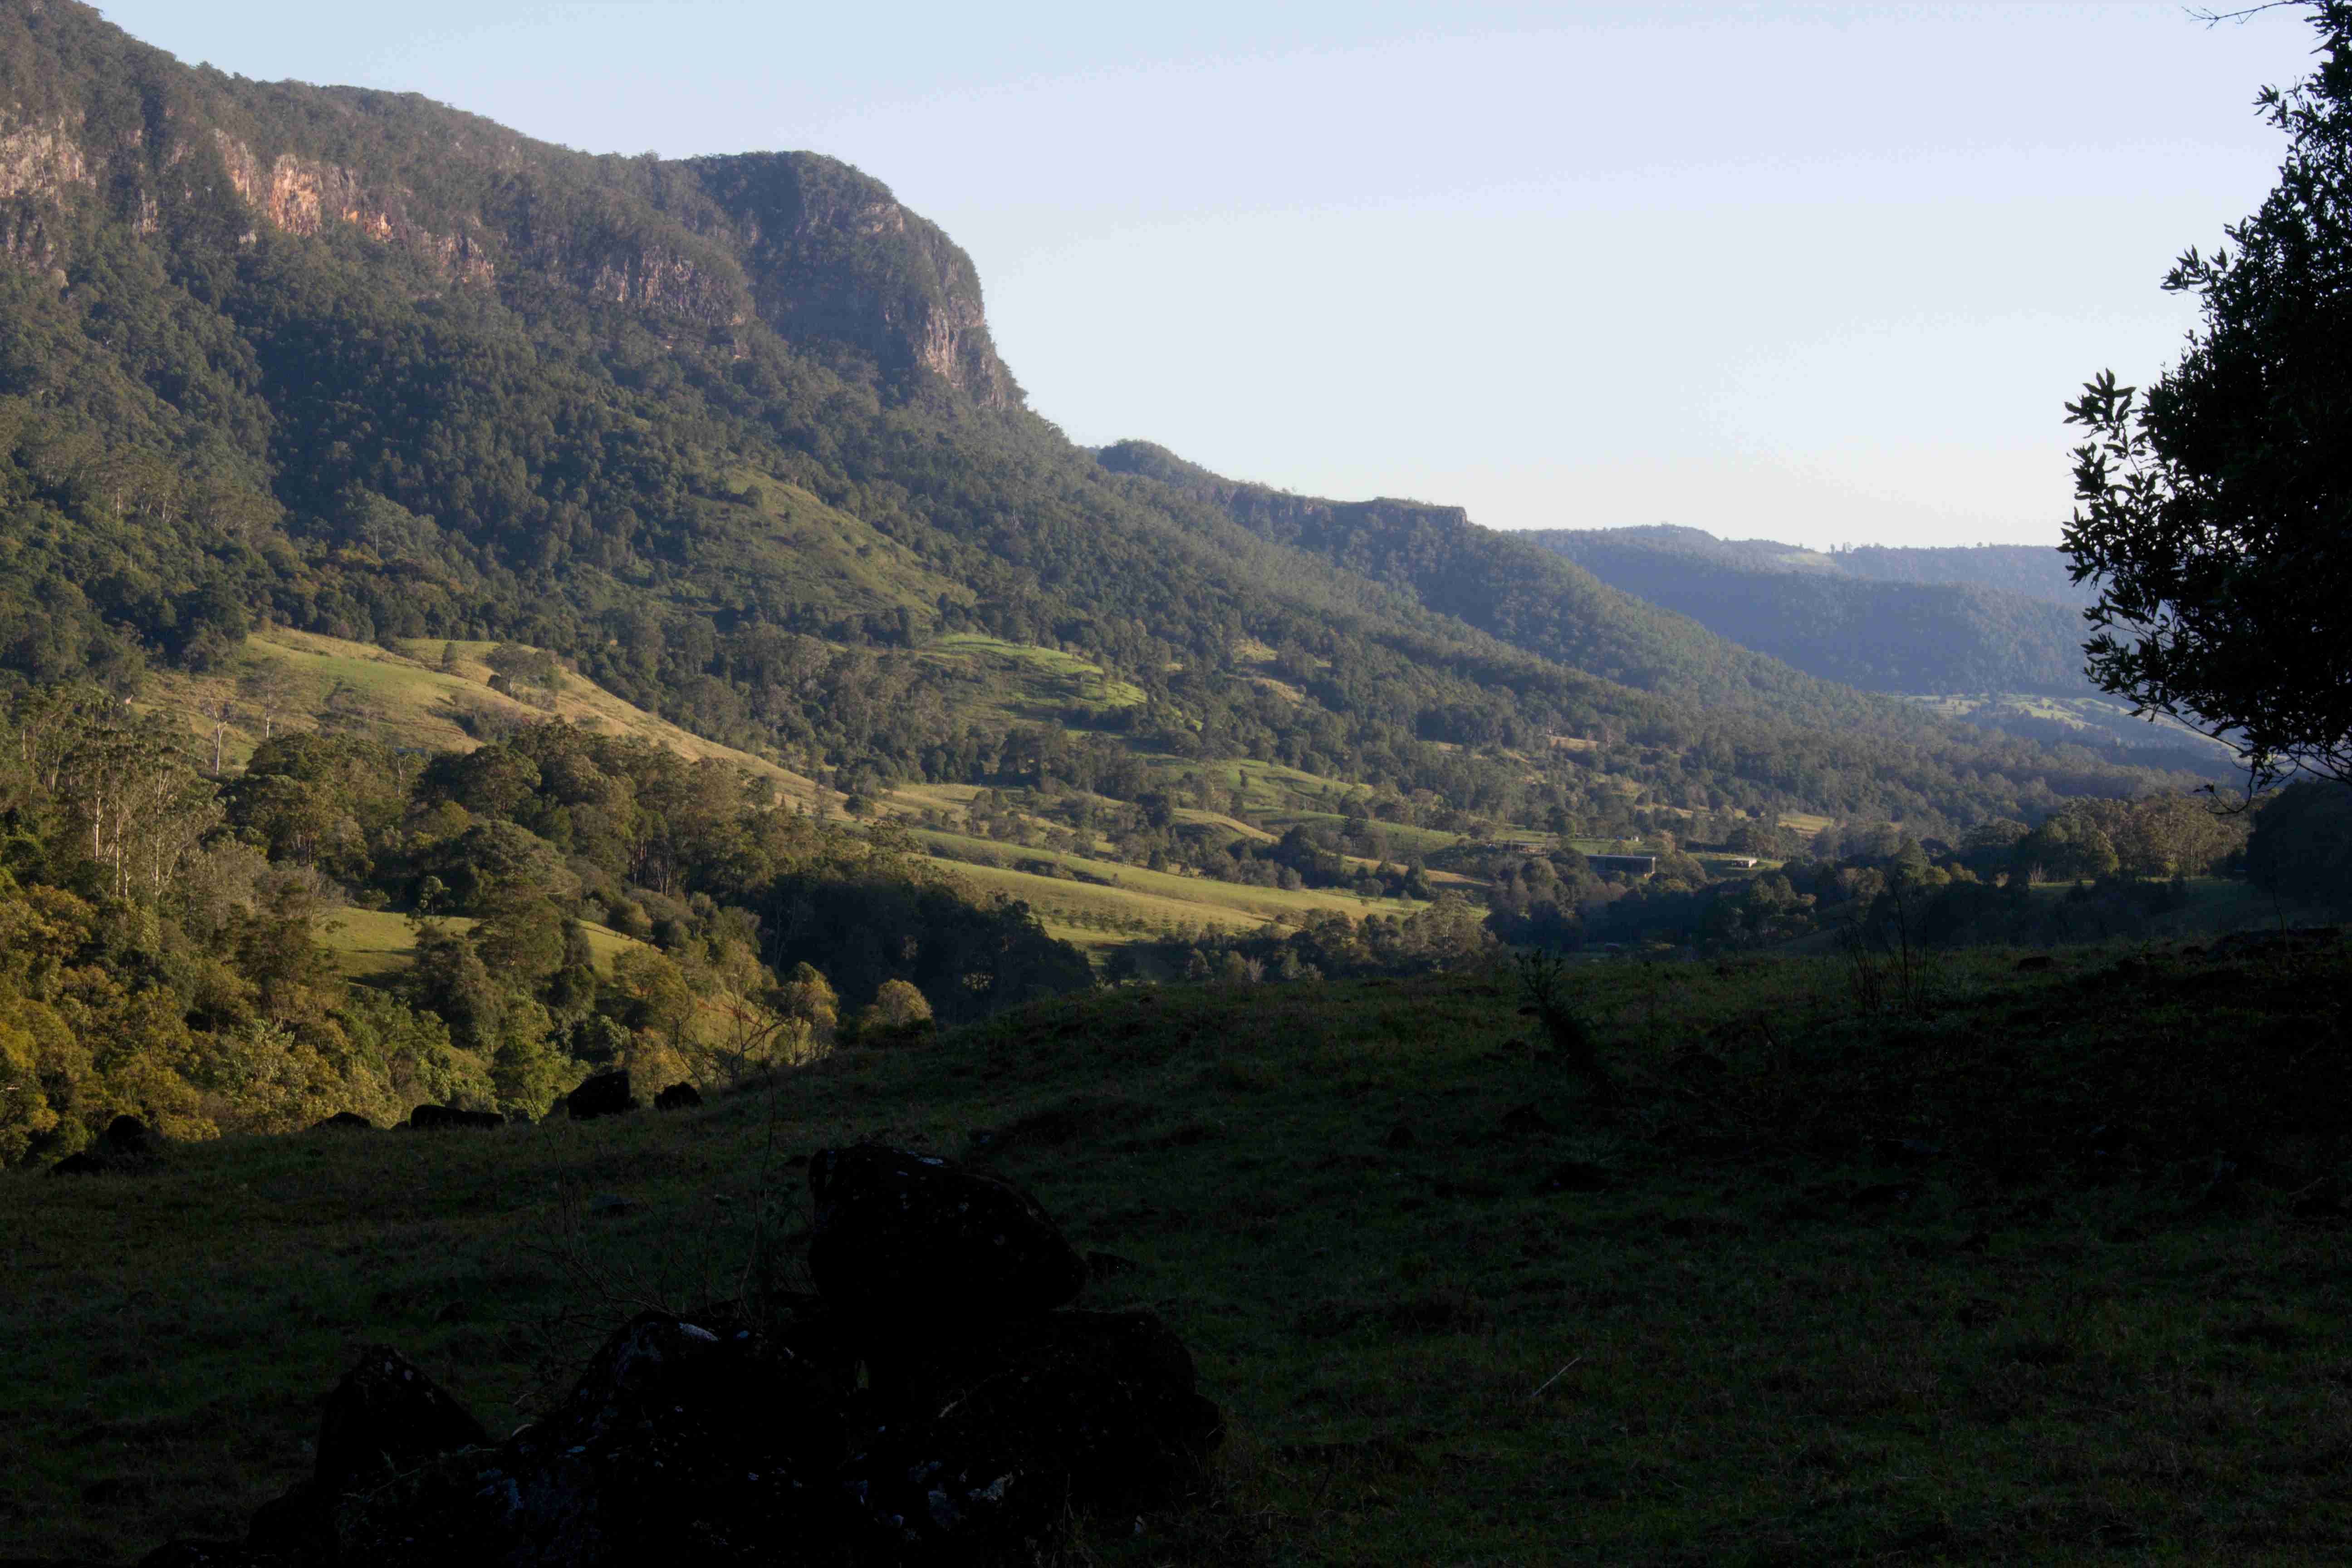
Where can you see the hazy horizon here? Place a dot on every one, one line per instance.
(1820, 275)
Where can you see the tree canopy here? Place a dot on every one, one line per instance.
(2215, 511)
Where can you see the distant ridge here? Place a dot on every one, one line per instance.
(1974, 618)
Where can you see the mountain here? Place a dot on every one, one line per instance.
(2036, 571)
(1855, 617)
(731, 436)
(2031, 570)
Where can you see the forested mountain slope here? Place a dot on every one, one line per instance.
(1882, 633)
(730, 435)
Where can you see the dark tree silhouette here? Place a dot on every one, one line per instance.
(2215, 512)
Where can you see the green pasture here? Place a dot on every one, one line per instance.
(1227, 902)
(1041, 677)
(1828, 1284)
(370, 942)
(405, 697)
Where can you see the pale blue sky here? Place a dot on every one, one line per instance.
(1821, 274)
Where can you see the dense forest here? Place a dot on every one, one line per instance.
(160, 929)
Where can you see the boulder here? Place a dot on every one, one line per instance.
(900, 1236)
(929, 1407)
(681, 1443)
(440, 1118)
(678, 1097)
(384, 1420)
(127, 1144)
(606, 1094)
(128, 1138)
(385, 1417)
(1001, 1434)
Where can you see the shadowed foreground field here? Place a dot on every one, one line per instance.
(2049, 1267)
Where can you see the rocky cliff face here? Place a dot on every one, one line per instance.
(831, 253)
(305, 196)
(40, 164)
(95, 126)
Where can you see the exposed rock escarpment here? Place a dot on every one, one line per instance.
(101, 128)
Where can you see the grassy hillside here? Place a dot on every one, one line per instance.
(2090, 720)
(1109, 888)
(1964, 1285)
(370, 942)
(410, 696)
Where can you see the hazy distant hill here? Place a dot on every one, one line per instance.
(1871, 618)
(2035, 571)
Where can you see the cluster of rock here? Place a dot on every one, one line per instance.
(604, 1094)
(129, 1144)
(936, 1401)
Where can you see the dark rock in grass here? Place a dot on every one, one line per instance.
(442, 1118)
(898, 1235)
(1015, 1429)
(2297, 939)
(1525, 1121)
(296, 1525)
(386, 1415)
(127, 1144)
(606, 1094)
(128, 1138)
(678, 1097)
(981, 1427)
(344, 1121)
(1574, 1177)
(1400, 1137)
(681, 1443)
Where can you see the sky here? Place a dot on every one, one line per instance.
(1819, 274)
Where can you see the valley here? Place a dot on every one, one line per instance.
(542, 690)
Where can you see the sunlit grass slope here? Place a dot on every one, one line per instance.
(1966, 1284)
(370, 943)
(1108, 887)
(407, 697)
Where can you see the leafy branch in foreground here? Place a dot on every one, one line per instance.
(2213, 511)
